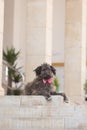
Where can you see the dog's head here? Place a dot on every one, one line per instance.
(46, 71)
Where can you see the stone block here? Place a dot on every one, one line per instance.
(27, 101)
(67, 110)
(73, 35)
(37, 15)
(73, 11)
(71, 123)
(46, 123)
(9, 101)
(35, 113)
(36, 40)
(9, 112)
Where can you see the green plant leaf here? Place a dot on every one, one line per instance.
(56, 83)
(85, 86)
(11, 56)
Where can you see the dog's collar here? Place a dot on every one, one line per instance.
(48, 81)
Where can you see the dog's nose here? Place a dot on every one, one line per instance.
(47, 75)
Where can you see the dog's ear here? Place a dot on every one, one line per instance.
(53, 70)
(38, 70)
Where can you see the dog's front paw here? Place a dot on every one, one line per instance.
(48, 98)
(66, 100)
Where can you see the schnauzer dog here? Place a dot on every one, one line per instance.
(42, 84)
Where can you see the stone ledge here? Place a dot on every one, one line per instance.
(36, 113)
(23, 101)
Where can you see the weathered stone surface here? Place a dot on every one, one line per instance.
(10, 101)
(35, 113)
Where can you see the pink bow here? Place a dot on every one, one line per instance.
(47, 80)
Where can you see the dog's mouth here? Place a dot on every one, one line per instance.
(50, 80)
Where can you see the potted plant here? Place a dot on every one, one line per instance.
(85, 88)
(17, 78)
(11, 56)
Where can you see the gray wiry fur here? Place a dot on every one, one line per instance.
(37, 87)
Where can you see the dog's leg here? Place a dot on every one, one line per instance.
(47, 96)
(61, 94)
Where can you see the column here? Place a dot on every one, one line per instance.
(15, 22)
(75, 48)
(8, 24)
(39, 39)
(1, 42)
(19, 30)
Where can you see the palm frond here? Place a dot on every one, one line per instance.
(11, 55)
(17, 78)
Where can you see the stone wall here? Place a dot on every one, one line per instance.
(35, 113)
(1, 40)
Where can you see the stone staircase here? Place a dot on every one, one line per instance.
(35, 113)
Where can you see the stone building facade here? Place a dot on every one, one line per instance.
(52, 31)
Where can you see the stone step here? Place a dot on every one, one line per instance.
(38, 112)
(20, 123)
(36, 107)
(35, 113)
(41, 124)
(83, 125)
